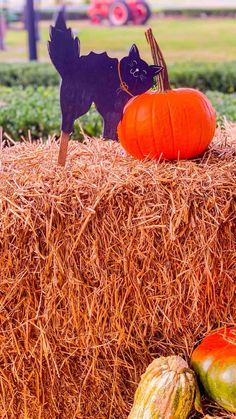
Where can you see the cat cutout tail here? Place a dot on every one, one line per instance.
(63, 48)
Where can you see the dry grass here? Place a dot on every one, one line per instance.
(105, 265)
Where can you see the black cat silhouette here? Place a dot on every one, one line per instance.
(96, 78)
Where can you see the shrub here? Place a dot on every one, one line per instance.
(203, 76)
(24, 109)
(71, 14)
(26, 74)
(197, 12)
(225, 105)
(38, 110)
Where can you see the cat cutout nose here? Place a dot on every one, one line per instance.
(135, 72)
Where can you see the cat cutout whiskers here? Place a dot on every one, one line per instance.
(94, 78)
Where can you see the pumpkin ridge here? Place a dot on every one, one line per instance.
(159, 139)
(157, 368)
(210, 114)
(176, 395)
(168, 395)
(186, 130)
(201, 131)
(185, 385)
(165, 383)
(152, 119)
(183, 392)
(156, 143)
(190, 378)
(207, 110)
(171, 126)
(137, 135)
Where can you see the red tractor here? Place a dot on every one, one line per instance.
(119, 12)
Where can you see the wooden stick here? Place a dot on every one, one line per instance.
(64, 139)
(158, 59)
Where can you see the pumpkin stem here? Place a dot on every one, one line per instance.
(158, 59)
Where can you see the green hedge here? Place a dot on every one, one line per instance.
(224, 104)
(25, 74)
(203, 76)
(71, 14)
(197, 12)
(38, 110)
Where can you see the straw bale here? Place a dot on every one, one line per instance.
(105, 265)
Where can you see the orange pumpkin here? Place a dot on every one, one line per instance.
(214, 360)
(171, 124)
(176, 124)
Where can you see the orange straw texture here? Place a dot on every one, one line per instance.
(105, 265)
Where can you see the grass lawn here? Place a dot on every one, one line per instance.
(180, 39)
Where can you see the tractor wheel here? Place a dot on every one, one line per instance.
(119, 13)
(142, 13)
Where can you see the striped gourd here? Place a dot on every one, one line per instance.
(167, 390)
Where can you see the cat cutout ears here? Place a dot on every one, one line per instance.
(94, 78)
(134, 52)
(137, 72)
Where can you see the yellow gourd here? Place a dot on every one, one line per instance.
(167, 390)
